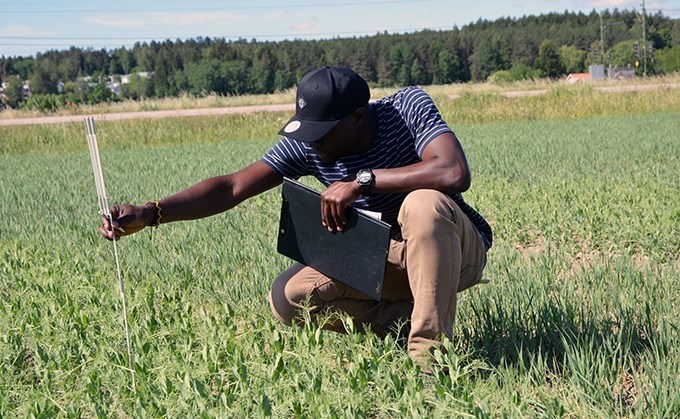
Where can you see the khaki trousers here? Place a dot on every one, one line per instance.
(438, 253)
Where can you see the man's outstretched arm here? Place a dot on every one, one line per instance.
(208, 197)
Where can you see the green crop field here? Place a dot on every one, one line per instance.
(581, 319)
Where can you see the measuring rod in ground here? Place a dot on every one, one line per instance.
(105, 211)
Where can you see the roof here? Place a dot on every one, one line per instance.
(574, 77)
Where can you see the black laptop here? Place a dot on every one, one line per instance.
(355, 256)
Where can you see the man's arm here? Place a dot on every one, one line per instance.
(443, 167)
(208, 197)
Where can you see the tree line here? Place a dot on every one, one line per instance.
(549, 45)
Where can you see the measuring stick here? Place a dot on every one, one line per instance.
(105, 211)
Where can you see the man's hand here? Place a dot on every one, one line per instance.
(335, 200)
(127, 219)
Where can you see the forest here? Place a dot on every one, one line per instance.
(550, 45)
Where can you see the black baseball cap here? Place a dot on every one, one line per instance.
(324, 97)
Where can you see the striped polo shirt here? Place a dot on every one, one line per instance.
(407, 121)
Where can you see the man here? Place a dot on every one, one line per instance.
(395, 156)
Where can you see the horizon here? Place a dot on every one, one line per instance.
(28, 30)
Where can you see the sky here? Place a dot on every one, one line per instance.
(28, 27)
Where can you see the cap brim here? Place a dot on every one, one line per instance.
(306, 131)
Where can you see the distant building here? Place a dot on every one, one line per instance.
(145, 74)
(114, 86)
(26, 90)
(621, 73)
(127, 78)
(578, 77)
(596, 72)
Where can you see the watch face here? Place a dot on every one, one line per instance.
(364, 177)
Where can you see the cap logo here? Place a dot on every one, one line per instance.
(302, 103)
(292, 127)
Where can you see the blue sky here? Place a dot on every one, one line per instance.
(31, 26)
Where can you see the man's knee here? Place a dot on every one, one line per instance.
(426, 208)
(285, 298)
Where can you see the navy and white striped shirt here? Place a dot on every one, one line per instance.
(407, 121)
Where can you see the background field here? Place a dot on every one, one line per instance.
(581, 319)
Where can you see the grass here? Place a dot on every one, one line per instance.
(581, 319)
(184, 101)
(488, 93)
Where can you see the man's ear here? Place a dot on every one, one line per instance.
(360, 114)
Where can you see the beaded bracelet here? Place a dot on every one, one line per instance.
(156, 221)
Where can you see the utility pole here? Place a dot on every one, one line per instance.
(602, 28)
(644, 42)
(601, 39)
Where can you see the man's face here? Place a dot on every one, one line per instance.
(338, 142)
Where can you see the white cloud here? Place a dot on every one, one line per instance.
(23, 30)
(665, 6)
(306, 23)
(146, 20)
(659, 5)
(610, 4)
(302, 26)
(282, 15)
(279, 15)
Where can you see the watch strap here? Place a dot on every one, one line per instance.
(366, 188)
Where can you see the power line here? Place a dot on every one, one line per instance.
(262, 35)
(205, 9)
(272, 35)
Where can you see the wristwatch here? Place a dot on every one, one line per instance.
(366, 180)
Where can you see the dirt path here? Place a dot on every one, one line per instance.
(148, 114)
(626, 88)
(267, 108)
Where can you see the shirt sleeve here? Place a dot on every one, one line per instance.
(288, 158)
(422, 118)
